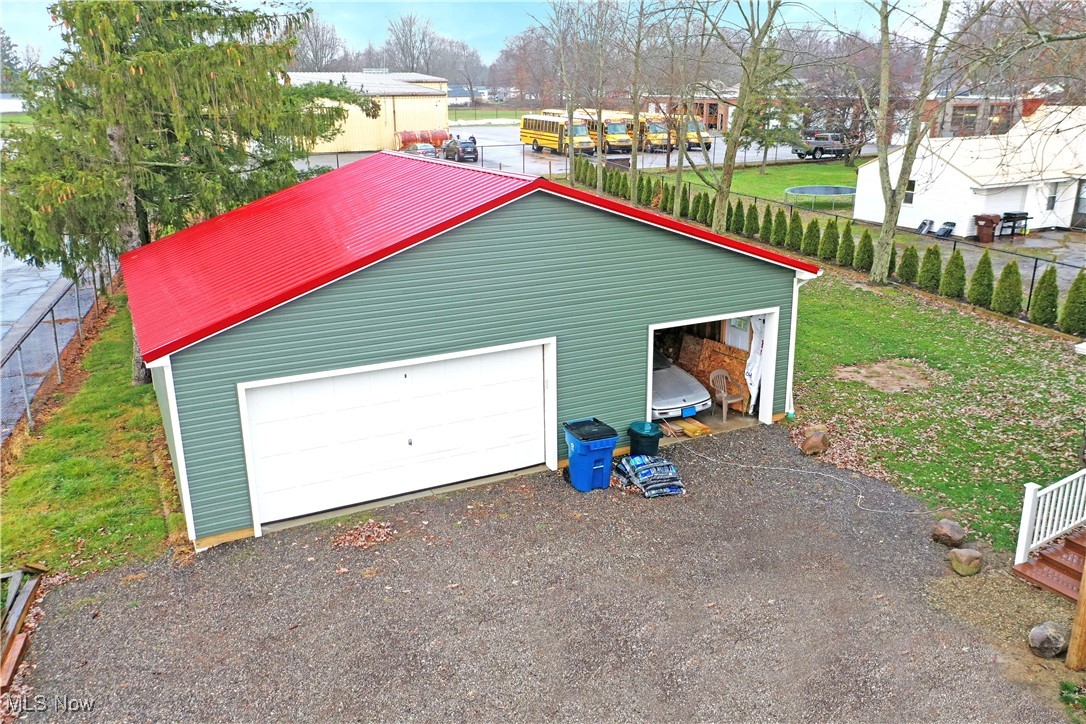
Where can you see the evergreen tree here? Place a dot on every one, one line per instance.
(684, 203)
(706, 203)
(1007, 298)
(656, 188)
(695, 207)
(780, 228)
(827, 248)
(739, 221)
(1073, 315)
(846, 248)
(665, 200)
(893, 261)
(626, 186)
(795, 232)
(865, 253)
(729, 217)
(712, 211)
(812, 238)
(766, 232)
(953, 282)
(752, 222)
(1043, 305)
(931, 270)
(982, 283)
(910, 265)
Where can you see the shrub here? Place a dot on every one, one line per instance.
(865, 253)
(1007, 298)
(665, 200)
(910, 265)
(765, 233)
(795, 232)
(728, 218)
(812, 238)
(1073, 316)
(831, 237)
(712, 212)
(846, 249)
(931, 270)
(982, 282)
(953, 282)
(1042, 307)
(695, 207)
(752, 221)
(892, 266)
(684, 203)
(657, 187)
(626, 187)
(780, 229)
(739, 221)
(706, 205)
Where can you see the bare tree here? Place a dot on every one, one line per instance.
(319, 46)
(410, 43)
(456, 60)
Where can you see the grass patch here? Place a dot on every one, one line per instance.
(778, 177)
(482, 114)
(1005, 407)
(7, 120)
(1073, 697)
(85, 493)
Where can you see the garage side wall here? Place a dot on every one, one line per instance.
(542, 266)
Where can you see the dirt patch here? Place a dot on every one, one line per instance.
(1005, 608)
(895, 375)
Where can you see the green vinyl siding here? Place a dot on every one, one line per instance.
(540, 267)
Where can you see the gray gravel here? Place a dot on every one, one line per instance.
(760, 595)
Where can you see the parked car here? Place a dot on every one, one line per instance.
(461, 150)
(820, 144)
(422, 149)
(675, 392)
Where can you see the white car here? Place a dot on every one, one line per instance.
(675, 392)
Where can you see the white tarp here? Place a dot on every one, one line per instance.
(753, 373)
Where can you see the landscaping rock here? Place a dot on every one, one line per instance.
(815, 444)
(1048, 639)
(966, 561)
(949, 533)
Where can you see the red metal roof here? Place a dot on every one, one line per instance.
(190, 285)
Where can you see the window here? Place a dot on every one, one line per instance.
(964, 119)
(910, 189)
(1052, 191)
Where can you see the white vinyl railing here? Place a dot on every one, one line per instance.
(1048, 513)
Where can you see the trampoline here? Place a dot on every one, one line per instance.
(796, 194)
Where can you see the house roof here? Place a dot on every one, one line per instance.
(375, 84)
(1050, 145)
(211, 276)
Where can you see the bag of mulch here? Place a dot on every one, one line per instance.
(653, 475)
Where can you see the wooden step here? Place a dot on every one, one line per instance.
(1041, 574)
(1063, 559)
(1076, 543)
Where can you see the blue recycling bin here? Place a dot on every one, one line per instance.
(591, 446)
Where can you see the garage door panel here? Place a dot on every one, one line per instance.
(346, 439)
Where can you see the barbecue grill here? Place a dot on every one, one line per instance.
(1011, 222)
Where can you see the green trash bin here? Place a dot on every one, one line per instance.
(645, 438)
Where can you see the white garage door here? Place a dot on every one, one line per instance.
(341, 440)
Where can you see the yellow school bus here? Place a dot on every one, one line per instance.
(696, 134)
(547, 131)
(653, 134)
(616, 135)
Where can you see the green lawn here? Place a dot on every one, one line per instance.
(1005, 407)
(14, 119)
(85, 494)
(750, 182)
(485, 112)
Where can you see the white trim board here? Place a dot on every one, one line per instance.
(769, 355)
(175, 425)
(550, 401)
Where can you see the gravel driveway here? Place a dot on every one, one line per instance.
(760, 595)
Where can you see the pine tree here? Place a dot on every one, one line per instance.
(846, 248)
(812, 238)
(910, 265)
(795, 232)
(827, 248)
(752, 224)
(684, 203)
(1073, 315)
(982, 283)
(665, 200)
(706, 203)
(739, 221)
(893, 261)
(766, 232)
(729, 217)
(656, 187)
(780, 228)
(1043, 305)
(1007, 298)
(865, 253)
(626, 186)
(931, 270)
(695, 207)
(953, 282)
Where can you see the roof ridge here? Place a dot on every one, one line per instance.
(476, 169)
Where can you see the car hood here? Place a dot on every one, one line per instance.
(674, 387)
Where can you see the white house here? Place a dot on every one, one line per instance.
(1038, 166)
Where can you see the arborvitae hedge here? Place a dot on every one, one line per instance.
(910, 265)
(1007, 298)
(695, 207)
(780, 228)
(1073, 316)
(953, 282)
(795, 232)
(982, 283)
(711, 216)
(657, 188)
(706, 205)
(729, 216)
(831, 237)
(684, 203)
(665, 199)
(892, 267)
(739, 221)
(846, 248)
(865, 253)
(812, 238)
(765, 233)
(1046, 298)
(751, 229)
(931, 270)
